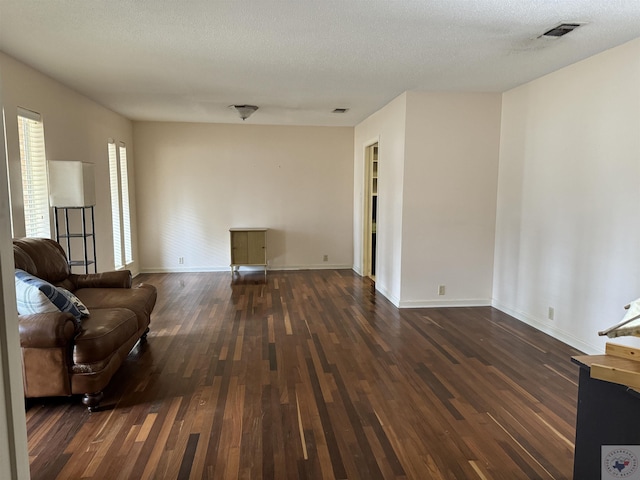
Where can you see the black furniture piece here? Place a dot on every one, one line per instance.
(86, 236)
(608, 414)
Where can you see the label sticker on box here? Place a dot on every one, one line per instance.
(620, 461)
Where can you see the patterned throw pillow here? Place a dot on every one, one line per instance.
(84, 311)
(34, 295)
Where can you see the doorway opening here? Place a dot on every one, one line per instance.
(370, 211)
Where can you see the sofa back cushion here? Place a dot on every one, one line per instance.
(23, 260)
(41, 257)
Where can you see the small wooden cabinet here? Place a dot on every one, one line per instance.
(248, 248)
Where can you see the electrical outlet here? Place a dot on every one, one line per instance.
(181, 260)
(441, 289)
(552, 313)
(325, 258)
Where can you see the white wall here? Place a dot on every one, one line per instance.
(387, 127)
(567, 233)
(450, 182)
(75, 128)
(199, 180)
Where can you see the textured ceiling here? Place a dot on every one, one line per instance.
(297, 60)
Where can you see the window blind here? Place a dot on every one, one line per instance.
(115, 205)
(33, 163)
(126, 217)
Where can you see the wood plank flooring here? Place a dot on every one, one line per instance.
(315, 376)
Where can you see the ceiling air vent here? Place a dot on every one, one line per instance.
(340, 110)
(561, 30)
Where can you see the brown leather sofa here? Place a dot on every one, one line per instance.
(63, 356)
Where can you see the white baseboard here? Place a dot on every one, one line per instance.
(472, 302)
(185, 269)
(556, 333)
(393, 299)
(244, 269)
(320, 266)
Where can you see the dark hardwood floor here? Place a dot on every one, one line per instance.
(312, 375)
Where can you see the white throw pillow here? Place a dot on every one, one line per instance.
(84, 311)
(34, 295)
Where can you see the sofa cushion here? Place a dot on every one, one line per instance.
(103, 332)
(34, 295)
(23, 261)
(141, 299)
(47, 256)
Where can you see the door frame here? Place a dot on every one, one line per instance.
(366, 206)
(13, 423)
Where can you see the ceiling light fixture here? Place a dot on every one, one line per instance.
(340, 110)
(245, 111)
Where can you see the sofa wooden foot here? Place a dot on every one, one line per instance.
(144, 335)
(92, 400)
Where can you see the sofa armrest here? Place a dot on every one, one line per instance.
(113, 279)
(47, 342)
(47, 330)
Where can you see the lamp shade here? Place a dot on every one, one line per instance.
(71, 184)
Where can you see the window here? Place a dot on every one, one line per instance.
(120, 208)
(115, 206)
(35, 191)
(126, 218)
